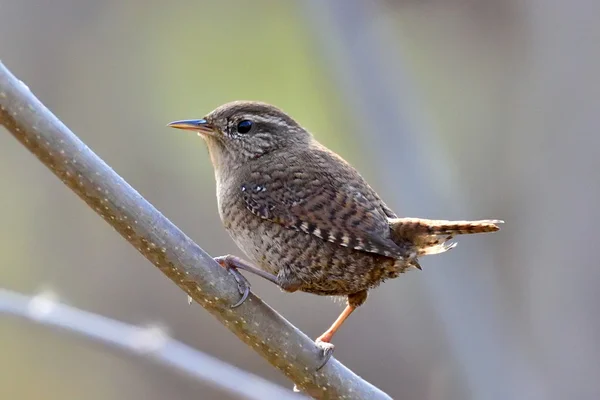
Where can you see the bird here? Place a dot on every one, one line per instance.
(303, 216)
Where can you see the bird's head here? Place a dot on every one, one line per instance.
(245, 130)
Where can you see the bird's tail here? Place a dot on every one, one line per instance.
(433, 236)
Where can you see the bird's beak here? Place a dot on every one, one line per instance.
(199, 125)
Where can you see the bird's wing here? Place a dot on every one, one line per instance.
(331, 202)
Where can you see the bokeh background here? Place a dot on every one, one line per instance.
(451, 109)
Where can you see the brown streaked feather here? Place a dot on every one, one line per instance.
(429, 236)
(409, 227)
(322, 197)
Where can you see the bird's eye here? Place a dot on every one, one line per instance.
(244, 126)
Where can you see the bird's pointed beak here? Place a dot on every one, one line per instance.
(199, 125)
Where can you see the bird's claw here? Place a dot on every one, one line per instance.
(326, 351)
(242, 283)
(243, 286)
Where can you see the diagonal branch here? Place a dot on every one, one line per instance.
(169, 249)
(152, 343)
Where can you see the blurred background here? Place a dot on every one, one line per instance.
(450, 109)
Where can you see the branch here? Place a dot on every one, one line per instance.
(169, 249)
(151, 343)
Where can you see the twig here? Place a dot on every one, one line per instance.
(152, 343)
(176, 255)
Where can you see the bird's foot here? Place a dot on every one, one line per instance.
(228, 262)
(326, 351)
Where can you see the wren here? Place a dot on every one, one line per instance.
(303, 216)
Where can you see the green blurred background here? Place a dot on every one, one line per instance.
(451, 109)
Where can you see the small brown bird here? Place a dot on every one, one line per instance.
(304, 217)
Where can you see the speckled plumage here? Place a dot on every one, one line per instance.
(303, 221)
(300, 212)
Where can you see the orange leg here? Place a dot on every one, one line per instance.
(328, 334)
(355, 300)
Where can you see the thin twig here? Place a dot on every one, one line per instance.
(169, 249)
(151, 343)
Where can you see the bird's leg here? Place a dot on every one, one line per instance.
(232, 264)
(328, 334)
(324, 341)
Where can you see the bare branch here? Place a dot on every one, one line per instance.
(151, 343)
(169, 249)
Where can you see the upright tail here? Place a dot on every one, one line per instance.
(432, 236)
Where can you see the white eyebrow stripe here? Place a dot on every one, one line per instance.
(269, 119)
